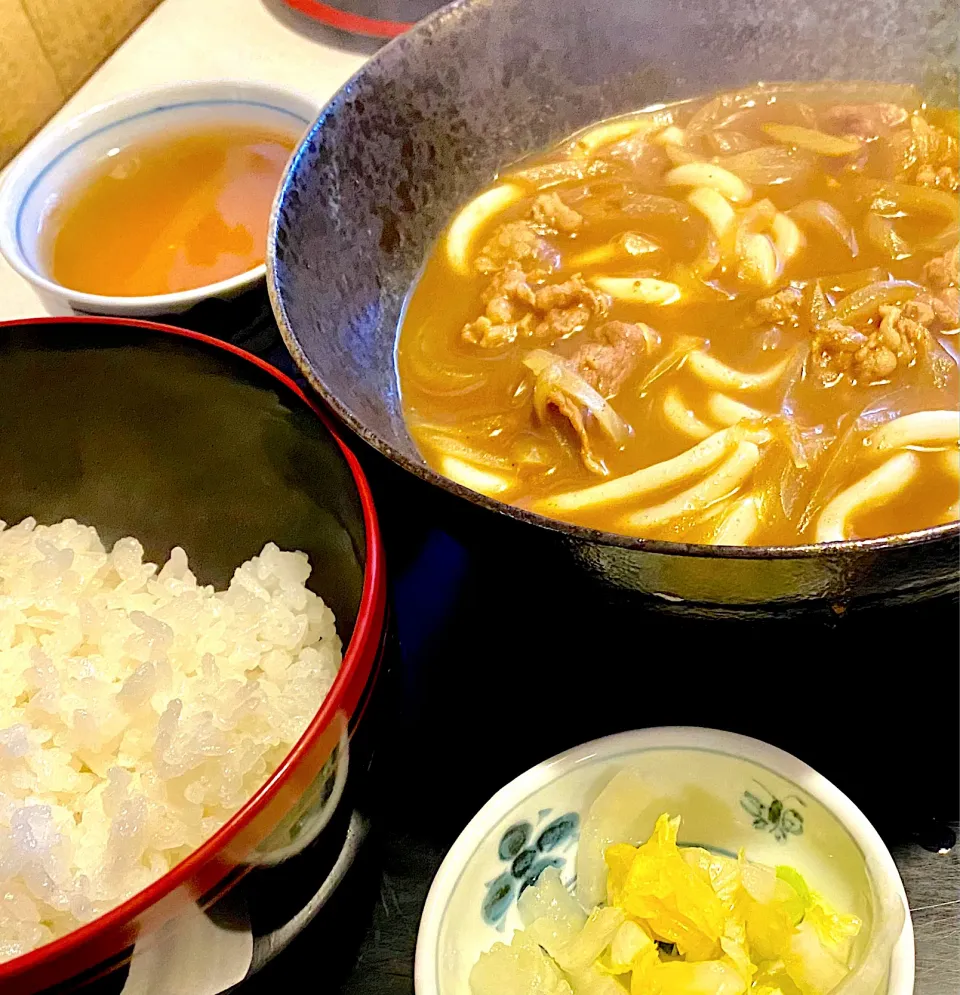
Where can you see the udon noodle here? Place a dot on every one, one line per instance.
(731, 320)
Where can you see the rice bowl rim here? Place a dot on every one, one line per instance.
(358, 655)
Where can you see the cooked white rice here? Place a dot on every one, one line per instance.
(138, 712)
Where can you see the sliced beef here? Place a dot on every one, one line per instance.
(612, 353)
(564, 308)
(942, 276)
(943, 177)
(895, 336)
(648, 162)
(944, 271)
(514, 305)
(782, 308)
(876, 352)
(516, 244)
(570, 408)
(551, 213)
(508, 300)
(579, 388)
(864, 120)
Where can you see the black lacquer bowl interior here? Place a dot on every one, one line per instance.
(168, 438)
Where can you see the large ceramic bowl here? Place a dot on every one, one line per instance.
(731, 793)
(175, 438)
(433, 117)
(60, 156)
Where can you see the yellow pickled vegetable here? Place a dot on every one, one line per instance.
(675, 899)
(678, 921)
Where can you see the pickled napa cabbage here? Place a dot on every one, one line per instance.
(677, 921)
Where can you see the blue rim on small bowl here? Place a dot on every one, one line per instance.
(731, 792)
(48, 165)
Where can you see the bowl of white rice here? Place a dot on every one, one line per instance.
(191, 616)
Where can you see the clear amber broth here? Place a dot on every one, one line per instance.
(175, 213)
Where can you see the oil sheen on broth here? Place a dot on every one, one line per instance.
(170, 214)
(731, 320)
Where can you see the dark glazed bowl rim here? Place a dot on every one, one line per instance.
(358, 655)
(426, 473)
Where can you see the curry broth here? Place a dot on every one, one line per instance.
(474, 404)
(171, 214)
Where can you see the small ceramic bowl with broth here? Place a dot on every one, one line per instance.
(152, 202)
(732, 794)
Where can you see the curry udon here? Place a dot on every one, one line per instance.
(730, 320)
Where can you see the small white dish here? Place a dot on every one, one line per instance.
(731, 792)
(52, 162)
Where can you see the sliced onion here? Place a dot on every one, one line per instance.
(682, 347)
(553, 373)
(436, 376)
(827, 220)
(730, 142)
(863, 303)
(945, 241)
(907, 197)
(654, 206)
(883, 236)
(727, 107)
(549, 174)
(847, 283)
(818, 142)
(739, 524)
(768, 166)
(709, 257)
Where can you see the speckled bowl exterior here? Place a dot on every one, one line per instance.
(433, 117)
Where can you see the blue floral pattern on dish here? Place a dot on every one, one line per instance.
(529, 850)
(773, 815)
